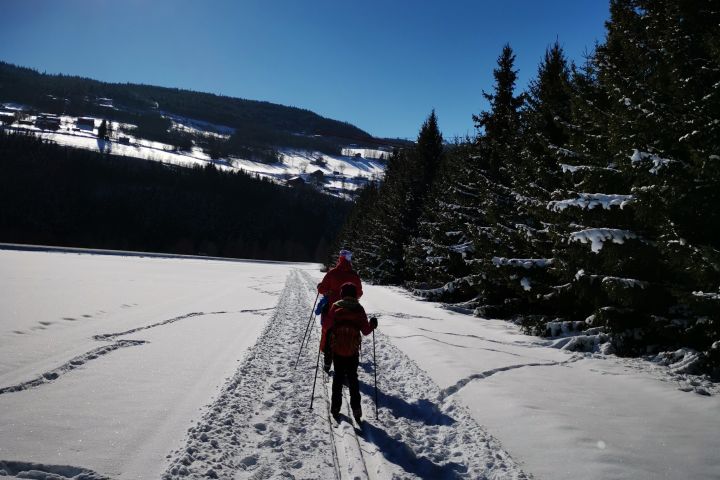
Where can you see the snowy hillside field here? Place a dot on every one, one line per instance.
(134, 367)
(340, 174)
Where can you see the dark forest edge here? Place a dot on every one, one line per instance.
(586, 207)
(61, 196)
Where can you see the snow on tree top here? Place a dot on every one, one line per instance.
(590, 201)
(522, 262)
(656, 160)
(597, 236)
(565, 167)
(708, 295)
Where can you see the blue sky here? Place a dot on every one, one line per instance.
(381, 65)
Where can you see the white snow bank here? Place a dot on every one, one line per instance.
(683, 360)
(597, 236)
(590, 201)
(564, 328)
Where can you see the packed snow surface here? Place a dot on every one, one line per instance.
(131, 367)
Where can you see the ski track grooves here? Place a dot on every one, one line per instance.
(350, 459)
(72, 364)
(108, 336)
(260, 425)
(75, 362)
(453, 389)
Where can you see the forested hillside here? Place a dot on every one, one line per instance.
(56, 195)
(254, 126)
(585, 206)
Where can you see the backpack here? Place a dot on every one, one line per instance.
(345, 340)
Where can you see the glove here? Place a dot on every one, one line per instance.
(373, 323)
(321, 305)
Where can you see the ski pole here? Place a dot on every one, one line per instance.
(317, 364)
(307, 327)
(375, 371)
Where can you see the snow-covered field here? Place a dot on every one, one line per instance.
(136, 367)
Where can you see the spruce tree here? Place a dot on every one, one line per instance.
(392, 218)
(635, 136)
(102, 130)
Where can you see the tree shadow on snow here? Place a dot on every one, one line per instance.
(422, 410)
(397, 452)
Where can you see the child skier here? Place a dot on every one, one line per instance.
(345, 320)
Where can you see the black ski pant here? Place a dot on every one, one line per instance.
(345, 369)
(327, 352)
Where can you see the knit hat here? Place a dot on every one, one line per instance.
(348, 290)
(347, 254)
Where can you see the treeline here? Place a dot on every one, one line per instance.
(62, 196)
(259, 126)
(589, 203)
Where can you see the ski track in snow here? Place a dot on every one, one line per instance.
(260, 425)
(453, 389)
(107, 336)
(41, 471)
(80, 360)
(72, 364)
(455, 344)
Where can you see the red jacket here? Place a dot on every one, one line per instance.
(346, 320)
(336, 277)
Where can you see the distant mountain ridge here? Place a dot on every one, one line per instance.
(255, 124)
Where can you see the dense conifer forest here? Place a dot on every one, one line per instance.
(589, 203)
(55, 195)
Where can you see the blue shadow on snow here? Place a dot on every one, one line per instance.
(423, 410)
(401, 455)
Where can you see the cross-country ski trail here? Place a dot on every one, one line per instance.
(260, 426)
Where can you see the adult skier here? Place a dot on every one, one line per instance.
(345, 320)
(329, 287)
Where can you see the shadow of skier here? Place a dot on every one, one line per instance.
(422, 410)
(400, 454)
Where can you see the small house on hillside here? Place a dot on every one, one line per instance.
(295, 182)
(317, 177)
(85, 123)
(47, 122)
